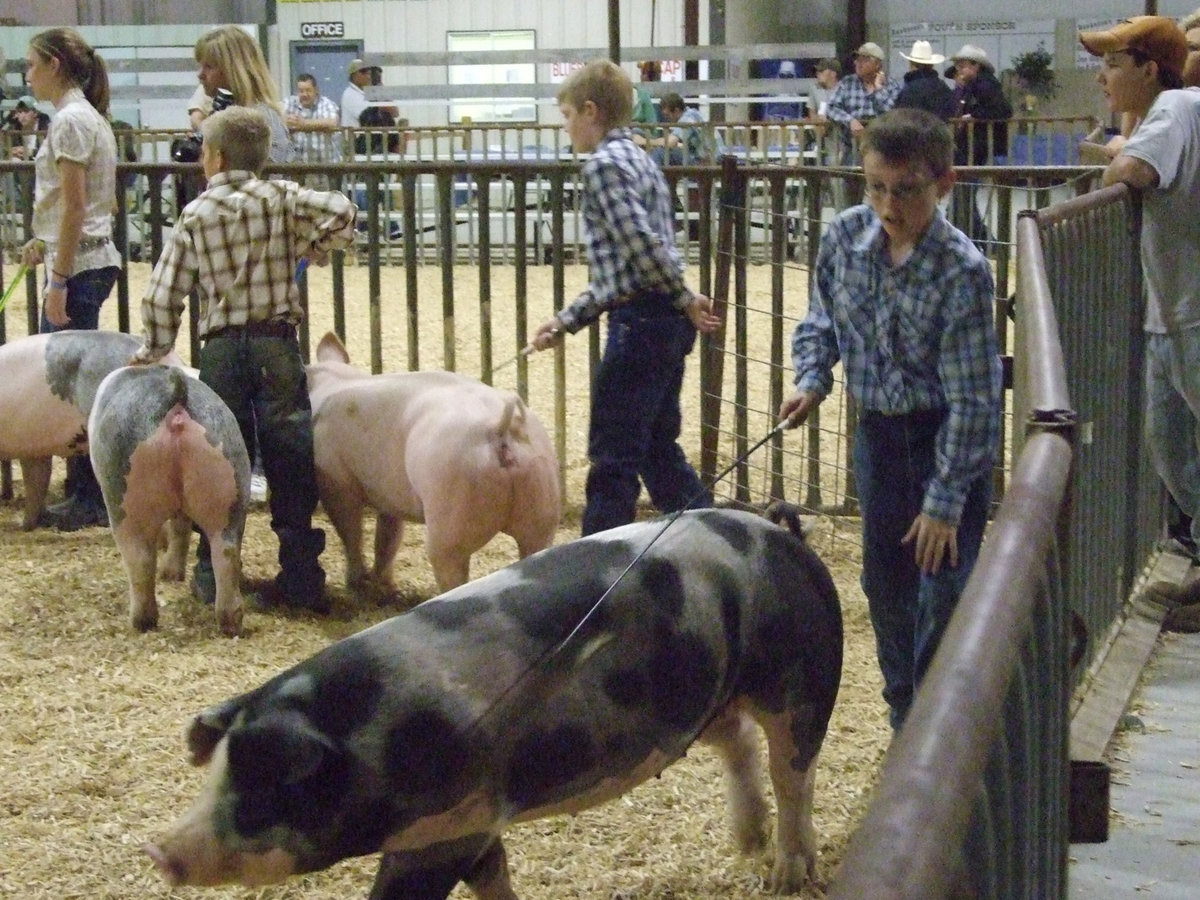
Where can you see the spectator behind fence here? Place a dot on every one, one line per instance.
(653, 316)
(905, 302)
(354, 98)
(857, 100)
(315, 125)
(981, 136)
(25, 127)
(644, 110)
(1143, 62)
(686, 143)
(238, 244)
(923, 85)
(75, 173)
(229, 58)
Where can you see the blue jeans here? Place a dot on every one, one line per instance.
(1173, 416)
(86, 293)
(894, 458)
(635, 421)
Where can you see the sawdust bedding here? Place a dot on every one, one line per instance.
(92, 760)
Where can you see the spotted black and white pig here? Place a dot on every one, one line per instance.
(166, 448)
(537, 690)
(47, 383)
(468, 460)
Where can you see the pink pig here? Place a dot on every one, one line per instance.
(466, 459)
(47, 384)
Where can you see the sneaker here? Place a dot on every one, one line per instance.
(1180, 546)
(204, 586)
(73, 514)
(1174, 596)
(258, 488)
(1183, 619)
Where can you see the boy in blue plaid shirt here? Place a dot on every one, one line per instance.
(905, 301)
(637, 278)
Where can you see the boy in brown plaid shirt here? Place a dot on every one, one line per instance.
(239, 243)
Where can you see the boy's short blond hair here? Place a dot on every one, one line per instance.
(605, 84)
(242, 135)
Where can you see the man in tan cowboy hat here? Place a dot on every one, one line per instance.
(354, 100)
(858, 99)
(923, 86)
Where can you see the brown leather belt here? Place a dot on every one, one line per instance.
(278, 328)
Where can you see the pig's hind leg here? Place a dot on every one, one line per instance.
(139, 553)
(795, 838)
(433, 873)
(389, 531)
(178, 531)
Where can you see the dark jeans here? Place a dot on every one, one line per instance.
(86, 293)
(636, 419)
(894, 458)
(262, 381)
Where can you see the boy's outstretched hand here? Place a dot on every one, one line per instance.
(547, 335)
(700, 312)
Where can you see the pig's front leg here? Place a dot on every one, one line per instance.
(35, 473)
(432, 873)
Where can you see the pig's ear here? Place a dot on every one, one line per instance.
(330, 348)
(280, 747)
(208, 728)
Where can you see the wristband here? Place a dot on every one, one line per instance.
(58, 285)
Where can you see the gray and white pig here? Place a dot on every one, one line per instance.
(548, 687)
(468, 460)
(47, 383)
(165, 448)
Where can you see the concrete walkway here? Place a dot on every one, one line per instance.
(1153, 850)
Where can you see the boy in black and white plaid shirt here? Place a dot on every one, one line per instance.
(637, 278)
(238, 243)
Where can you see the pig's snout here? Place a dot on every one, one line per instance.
(171, 869)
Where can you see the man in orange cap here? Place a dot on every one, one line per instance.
(1144, 58)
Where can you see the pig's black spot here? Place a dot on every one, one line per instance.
(452, 614)
(627, 687)
(662, 581)
(428, 754)
(545, 763)
(76, 363)
(731, 528)
(683, 680)
(348, 686)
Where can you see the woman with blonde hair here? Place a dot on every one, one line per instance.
(230, 58)
(75, 185)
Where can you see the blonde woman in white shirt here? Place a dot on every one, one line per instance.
(75, 187)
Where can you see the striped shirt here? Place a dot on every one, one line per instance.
(629, 231)
(916, 336)
(315, 146)
(850, 100)
(238, 243)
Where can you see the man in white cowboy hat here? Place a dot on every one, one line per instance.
(923, 85)
(981, 137)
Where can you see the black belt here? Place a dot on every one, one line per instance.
(277, 328)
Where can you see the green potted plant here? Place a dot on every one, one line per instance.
(1034, 73)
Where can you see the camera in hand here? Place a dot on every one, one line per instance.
(187, 149)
